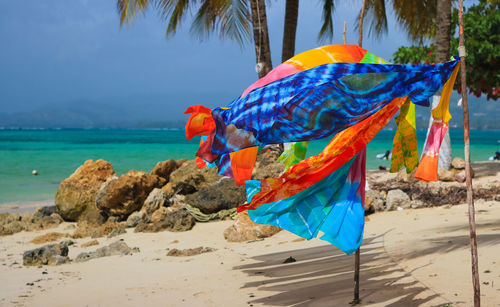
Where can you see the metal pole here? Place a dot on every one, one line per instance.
(470, 197)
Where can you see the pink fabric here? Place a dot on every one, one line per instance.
(436, 136)
(281, 71)
(357, 173)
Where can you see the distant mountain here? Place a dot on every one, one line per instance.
(160, 112)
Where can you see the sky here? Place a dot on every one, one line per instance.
(60, 52)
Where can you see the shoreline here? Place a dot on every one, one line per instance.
(25, 207)
(480, 167)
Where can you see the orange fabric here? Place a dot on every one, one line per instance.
(345, 145)
(327, 54)
(242, 162)
(200, 122)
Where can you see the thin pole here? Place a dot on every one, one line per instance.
(356, 277)
(356, 255)
(345, 23)
(360, 24)
(470, 196)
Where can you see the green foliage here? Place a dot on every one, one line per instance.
(414, 55)
(482, 42)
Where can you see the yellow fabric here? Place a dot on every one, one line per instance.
(442, 112)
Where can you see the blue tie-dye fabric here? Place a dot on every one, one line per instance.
(332, 206)
(321, 101)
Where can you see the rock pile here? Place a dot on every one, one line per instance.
(43, 218)
(104, 203)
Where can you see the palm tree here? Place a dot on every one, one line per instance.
(261, 37)
(290, 29)
(230, 18)
(375, 11)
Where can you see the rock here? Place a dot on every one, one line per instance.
(52, 254)
(446, 175)
(67, 242)
(458, 163)
(117, 232)
(397, 198)
(268, 155)
(165, 168)
(266, 165)
(87, 229)
(116, 248)
(405, 177)
(11, 223)
(225, 194)
(377, 201)
(48, 237)
(417, 204)
(89, 243)
(461, 175)
(273, 170)
(40, 212)
(244, 229)
(155, 200)
(76, 195)
(168, 219)
(189, 251)
(123, 195)
(188, 178)
(114, 219)
(135, 218)
(11, 228)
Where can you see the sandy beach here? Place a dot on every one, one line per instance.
(414, 257)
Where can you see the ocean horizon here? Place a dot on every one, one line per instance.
(57, 153)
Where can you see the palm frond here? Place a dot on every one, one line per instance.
(417, 17)
(326, 31)
(129, 9)
(205, 19)
(235, 22)
(173, 11)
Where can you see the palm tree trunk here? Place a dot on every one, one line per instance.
(442, 47)
(443, 30)
(261, 37)
(290, 30)
(360, 24)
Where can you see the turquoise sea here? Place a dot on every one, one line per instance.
(55, 154)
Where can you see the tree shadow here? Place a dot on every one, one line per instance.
(486, 168)
(323, 276)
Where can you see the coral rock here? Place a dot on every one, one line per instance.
(76, 195)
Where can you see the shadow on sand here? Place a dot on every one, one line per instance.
(323, 276)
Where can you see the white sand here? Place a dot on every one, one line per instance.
(409, 258)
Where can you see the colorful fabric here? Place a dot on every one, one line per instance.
(427, 170)
(300, 62)
(343, 147)
(334, 206)
(326, 91)
(295, 153)
(404, 150)
(319, 102)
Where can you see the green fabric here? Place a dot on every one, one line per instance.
(294, 154)
(404, 150)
